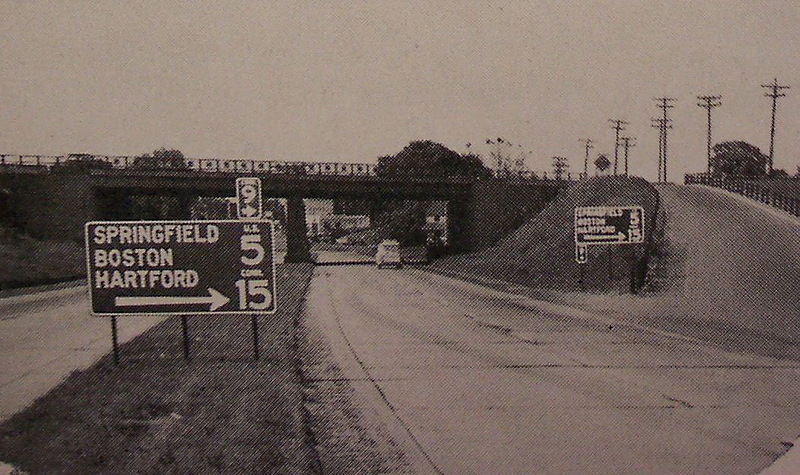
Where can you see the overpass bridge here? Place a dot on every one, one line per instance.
(51, 197)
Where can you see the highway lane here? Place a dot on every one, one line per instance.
(44, 336)
(471, 380)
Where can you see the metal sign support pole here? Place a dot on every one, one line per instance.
(114, 339)
(185, 331)
(254, 322)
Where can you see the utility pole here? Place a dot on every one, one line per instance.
(774, 94)
(661, 125)
(627, 142)
(709, 102)
(618, 125)
(664, 103)
(587, 146)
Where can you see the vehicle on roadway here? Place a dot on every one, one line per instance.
(388, 254)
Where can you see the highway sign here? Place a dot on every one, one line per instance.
(609, 225)
(248, 198)
(181, 267)
(581, 254)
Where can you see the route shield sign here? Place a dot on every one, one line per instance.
(181, 267)
(248, 198)
(608, 225)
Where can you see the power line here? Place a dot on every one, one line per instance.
(709, 102)
(774, 94)
(588, 145)
(664, 103)
(627, 143)
(618, 125)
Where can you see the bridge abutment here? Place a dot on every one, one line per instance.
(297, 249)
(51, 206)
(492, 210)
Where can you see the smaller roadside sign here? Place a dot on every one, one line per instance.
(248, 198)
(581, 254)
(596, 225)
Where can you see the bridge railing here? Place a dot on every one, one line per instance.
(243, 166)
(746, 187)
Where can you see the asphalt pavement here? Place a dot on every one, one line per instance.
(44, 336)
(473, 380)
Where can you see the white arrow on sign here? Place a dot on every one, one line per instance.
(215, 299)
(620, 236)
(249, 211)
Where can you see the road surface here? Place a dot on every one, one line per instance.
(472, 380)
(44, 336)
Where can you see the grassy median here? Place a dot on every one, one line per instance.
(222, 412)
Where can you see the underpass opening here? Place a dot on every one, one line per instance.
(347, 231)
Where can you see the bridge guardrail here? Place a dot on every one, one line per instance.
(243, 166)
(746, 187)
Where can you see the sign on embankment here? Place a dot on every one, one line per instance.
(596, 225)
(181, 267)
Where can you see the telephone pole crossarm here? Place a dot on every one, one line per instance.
(664, 103)
(627, 143)
(775, 93)
(618, 125)
(709, 102)
(587, 143)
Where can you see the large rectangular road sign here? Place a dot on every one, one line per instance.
(181, 267)
(609, 225)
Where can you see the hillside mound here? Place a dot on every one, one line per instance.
(27, 261)
(541, 253)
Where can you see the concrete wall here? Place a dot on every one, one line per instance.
(493, 210)
(52, 206)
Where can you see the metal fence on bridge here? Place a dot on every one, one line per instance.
(236, 166)
(747, 187)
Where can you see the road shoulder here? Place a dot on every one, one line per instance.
(157, 413)
(350, 435)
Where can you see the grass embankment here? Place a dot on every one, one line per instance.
(156, 413)
(26, 261)
(541, 253)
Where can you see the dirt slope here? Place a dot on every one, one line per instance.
(541, 253)
(730, 274)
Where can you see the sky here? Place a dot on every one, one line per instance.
(335, 81)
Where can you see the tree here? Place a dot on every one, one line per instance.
(427, 159)
(738, 158)
(81, 162)
(602, 163)
(158, 206)
(560, 165)
(161, 158)
(404, 220)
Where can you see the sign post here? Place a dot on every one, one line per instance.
(180, 268)
(607, 225)
(114, 339)
(249, 206)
